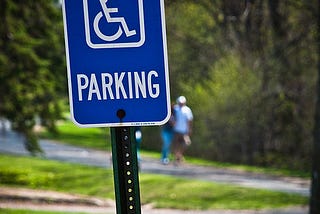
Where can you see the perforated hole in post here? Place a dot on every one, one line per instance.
(128, 170)
(127, 166)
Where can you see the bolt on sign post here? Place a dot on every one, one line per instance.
(118, 77)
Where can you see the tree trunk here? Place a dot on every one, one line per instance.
(315, 184)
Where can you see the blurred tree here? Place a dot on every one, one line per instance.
(272, 42)
(282, 53)
(274, 39)
(31, 65)
(191, 33)
(315, 176)
(226, 99)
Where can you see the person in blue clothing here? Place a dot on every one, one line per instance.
(167, 136)
(138, 136)
(182, 128)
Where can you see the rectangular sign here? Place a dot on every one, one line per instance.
(117, 62)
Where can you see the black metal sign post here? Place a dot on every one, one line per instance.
(125, 169)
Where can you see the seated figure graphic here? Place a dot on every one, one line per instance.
(121, 20)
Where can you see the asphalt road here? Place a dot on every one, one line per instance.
(11, 142)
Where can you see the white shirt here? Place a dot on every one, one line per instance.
(183, 115)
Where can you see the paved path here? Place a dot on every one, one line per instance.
(11, 142)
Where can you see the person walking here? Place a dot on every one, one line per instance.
(167, 136)
(182, 128)
(138, 137)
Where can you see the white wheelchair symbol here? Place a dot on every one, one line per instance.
(110, 41)
(107, 11)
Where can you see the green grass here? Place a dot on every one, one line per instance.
(39, 173)
(190, 194)
(162, 191)
(96, 138)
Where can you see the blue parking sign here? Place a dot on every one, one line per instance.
(117, 62)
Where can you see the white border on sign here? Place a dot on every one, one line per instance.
(119, 124)
(114, 45)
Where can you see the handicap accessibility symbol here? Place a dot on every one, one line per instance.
(121, 20)
(109, 27)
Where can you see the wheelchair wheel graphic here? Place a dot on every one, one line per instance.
(100, 34)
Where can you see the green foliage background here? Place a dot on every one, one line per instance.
(32, 78)
(247, 68)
